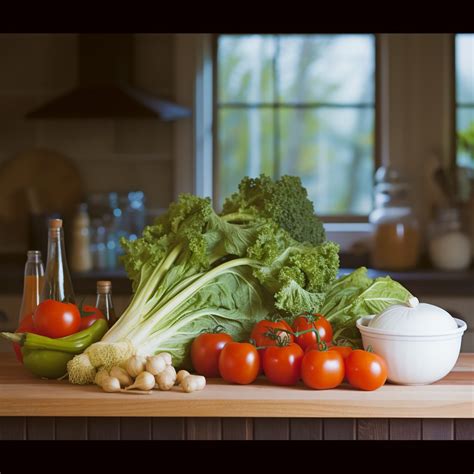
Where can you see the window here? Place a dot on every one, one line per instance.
(301, 105)
(465, 99)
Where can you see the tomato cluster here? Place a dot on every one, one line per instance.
(286, 354)
(57, 319)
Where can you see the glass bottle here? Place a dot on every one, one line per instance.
(397, 234)
(57, 284)
(81, 258)
(104, 301)
(98, 245)
(33, 283)
(136, 213)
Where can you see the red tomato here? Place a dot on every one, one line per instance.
(322, 369)
(343, 350)
(239, 362)
(55, 319)
(26, 325)
(205, 351)
(365, 370)
(318, 322)
(89, 319)
(282, 364)
(264, 326)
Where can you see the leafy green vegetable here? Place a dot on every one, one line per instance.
(355, 295)
(285, 201)
(194, 269)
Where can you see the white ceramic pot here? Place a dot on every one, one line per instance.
(414, 359)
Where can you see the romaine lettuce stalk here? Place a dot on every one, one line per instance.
(193, 270)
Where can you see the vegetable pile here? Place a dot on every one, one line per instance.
(194, 269)
(265, 253)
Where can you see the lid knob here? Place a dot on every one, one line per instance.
(412, 302)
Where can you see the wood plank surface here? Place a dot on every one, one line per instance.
(13, 428)
(137, 428)
(168, 428)
(71, 428)
(22, 394)
(306, 429)
(271, 428)
(464, 429)
(372, 429)
(203, 428)
(405, 429)
(237, 428)
(103, 427)
(435, 429)
(339, 429)
(40, 428)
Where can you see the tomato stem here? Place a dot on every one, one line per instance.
(82, 311)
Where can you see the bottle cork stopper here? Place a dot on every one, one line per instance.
(33, 253)
(55, 223)
(104, 286)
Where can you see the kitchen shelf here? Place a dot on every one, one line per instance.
(22, 394)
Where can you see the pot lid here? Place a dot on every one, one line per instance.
(414, 318)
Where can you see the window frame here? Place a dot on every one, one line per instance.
(340, 218)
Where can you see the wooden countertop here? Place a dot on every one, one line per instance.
(22, 394)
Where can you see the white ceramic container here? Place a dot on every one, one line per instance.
(414, 359)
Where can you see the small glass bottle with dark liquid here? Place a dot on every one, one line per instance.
(104, 301)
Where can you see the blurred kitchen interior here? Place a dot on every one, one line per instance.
(124, 123)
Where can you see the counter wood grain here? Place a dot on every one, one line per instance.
(22, 394)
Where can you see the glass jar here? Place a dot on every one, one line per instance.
(396, 229)
(449, 244)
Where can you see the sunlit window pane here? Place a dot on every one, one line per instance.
(465, 99)
(332, 151)
(245, 147)
(300, 105)
(465, 68)
(245, 68)
(326, 68)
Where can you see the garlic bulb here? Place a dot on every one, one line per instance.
(122, 375)
(144, 381)
(135, 365)
(414, 318)
(155, 364)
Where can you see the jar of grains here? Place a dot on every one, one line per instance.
(396, 229)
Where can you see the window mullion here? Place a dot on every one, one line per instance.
(276, 112)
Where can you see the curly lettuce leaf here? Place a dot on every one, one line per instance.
(355, 295)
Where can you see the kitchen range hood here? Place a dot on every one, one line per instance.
(105, 88)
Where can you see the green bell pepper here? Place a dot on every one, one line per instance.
(46, 363)
(48, 357)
